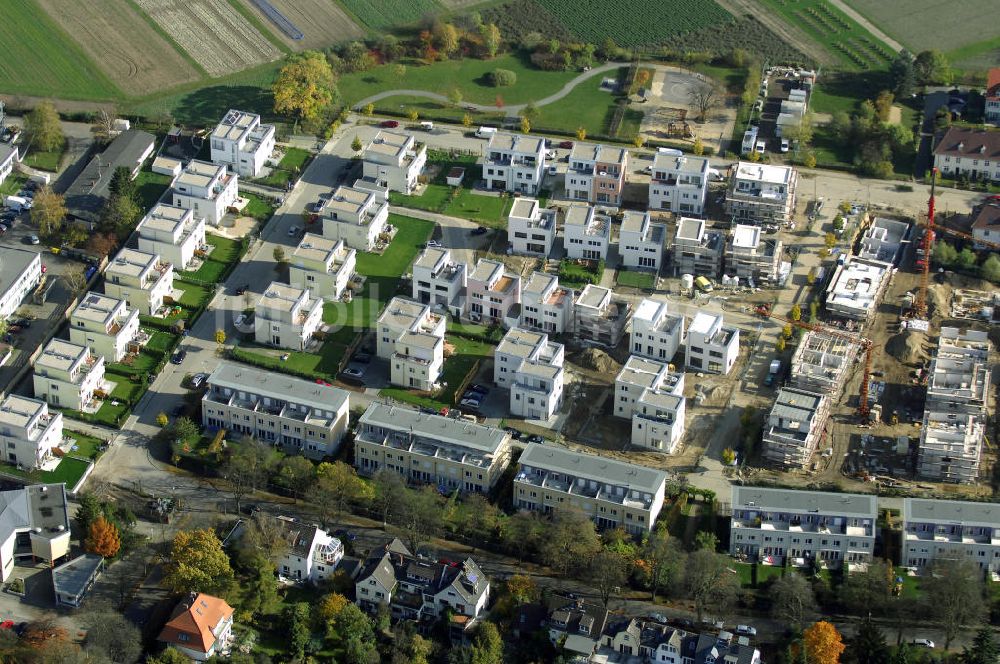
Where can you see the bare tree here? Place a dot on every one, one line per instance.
(104, 123)
(661, 559)
(954, 593)
(703, 96)
(792, 599)
(709, 582)
(75, 280)
(607, 572)
(247, 468)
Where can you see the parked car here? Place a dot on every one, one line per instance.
(33, 239)
(476, 387)
(178, 410)
(514, 433)
(178, 356)
(746, 630)
(197, 380)
(471, 404)
(535, 438)
(354, 372)
(389, 124)
(553, 170)
(239, 320)
(658, 617)
(784, 145)
(362, 358)
(481, 230)
(924, 643)
(433, 243)
(293, 231)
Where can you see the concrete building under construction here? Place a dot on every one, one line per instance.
(820, 363)
(794, 427)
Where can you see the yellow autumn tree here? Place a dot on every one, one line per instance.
(305, 86)
(823, 643)
(331, 606)
(103, 538)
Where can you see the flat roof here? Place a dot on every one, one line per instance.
(650, 310)
(856, 284)
(524, 207)
(586, 217)
(460, 433)
(593, 467)
(690, 229)
(278, 386)
(593, 296)
(401, 313)
(235, 124)
(520, 342)
(703, 323)
(131, 262)
(164, 217)
(764, 173)
(14, 263)
(41, 506)
(486, 269)
(430, 257)
(633, 221)
(539, 282)
(596, 152)
(96, 307)
(822, 502)
(17, 411)
(746, 237)
(389, 143)
(348, 200)
(200, 173)
(675, 164)
(641, 372)
(951, 511)
(61, 354)
(796, 405)
(73, 578)
(502, 140)
(279, 296)
(318, 248)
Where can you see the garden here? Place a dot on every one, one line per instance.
(459, 369)
(642, 280)
(85, 451)
(289, 168)
(577, 272)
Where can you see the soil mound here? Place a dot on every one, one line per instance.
(908, 346)
(596, 359)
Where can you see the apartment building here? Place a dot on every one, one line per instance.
(356, 216)
(697, 250)
(951, 529)
(411, 337)
(678, 184)
(969, 152)
(242, 142)
(750, 257)
(140, 278)
(856, 288)
(615, 494)
(795, 426)
(820, 363)
(711, 345)
(807, 527)
(652, 397)
(106, 325)
(34, 525)
(66, 375)
(322, 265)
(439, 281)
(599, 316)
(514, 162)
(951, 447)
(173, 233)
(531, 228)
(761, 193)
(655, 332)
(545, 305)
(28, 431)
(299, 416)
(20, 274)
(531, 367)
(207, 189)
(453, 454)
(992, 95)
(596, 174)
(394, 161)
(641, 242)
(310, 553)
(587, 233)
(287, 317)
(493, 293)
(9, 156)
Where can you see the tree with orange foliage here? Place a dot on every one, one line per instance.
(38, 633)
(103, 538)
(823, 643)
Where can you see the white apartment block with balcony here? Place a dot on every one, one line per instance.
(356, 216)
(322, 265)
(20, 274)
(411, 337)
(66, 375)
(545, 305)
(439, 281)
(299, 416)
(697, 250)
(678, 184)
(450, 453)
(28, 431)
(531, 229)
(394, 161)
(652, 396)
(587, 233)
(514, 162)
(287, 317)
(242, 142)
(140, 278)
(769, 525)
(596, 174)
(173, 233)
(951, 529)
(641, 241)
(531, 367)
(615, 494)
(761, 193)
(655, 332)
(712, 346)
(493, 293)
(751, 257)
(106, 325)
(207, 189)
(795, 426)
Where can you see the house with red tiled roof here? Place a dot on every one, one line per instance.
(993, 96)
(201, 626)
(970, 152)
(986, 225)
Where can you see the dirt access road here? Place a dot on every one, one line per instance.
(790, 33)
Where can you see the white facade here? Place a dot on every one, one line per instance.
(322, 265)
(492, 293)
(66, 375)
(173, 233)
(514, 162)
(394, 161)
(935, 529)
(140, 278)
(106, 325)
(761, 193)
(545, 305)
(356, 216)
(711, 346)
(750, 256)
(8, 157)
(795, 426)
(312, 554)
(530, 228)
(652, 397)
(208, 190)
(678, 184)
(439, 281)
(641, 242)
(599, 317)
(38, 511)
(20, 274)
(587, 233)
(655, 332)
(411, 337)
(242, 142)
(287, 317)
(596, 174)
(857, 287)
(28, 431)
(697, 250)
(531, 367)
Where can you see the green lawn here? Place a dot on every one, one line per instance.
(495, 333)
(323, 364)
(13, 183)
(225, 252)
(45, 160)
(209, 272)
(194, 295)
(292, 163)
(151, 186)
(69, 470)
(87, 447)
(257, 207)
(462, 201)
(159, 341)
(575, 275)
(467, 353)
(636, 279)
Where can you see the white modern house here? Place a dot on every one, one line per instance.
(106, 325)
(655, 333)
(934, 529)
(712, 346)
(356, 216)
(173, 233)
(322, 265)
(531, 229)
(514, 162)
(794, 427)
(856, 288)
(587, 233)
(439, 281)
(751, 257)
(140, 278)
(28, 431)
(599, 317)
(596, 174)
(531, 367)
(678, 184)
(66, 375)
(761, 193)
(493, 293)
(394, 161)
(242, 142)
(411, 337)
(697, 249)
(312, 554)
(287, 317)
(20, 274)
(641, 241)
(207, 189)
(652, 397)
(9, 156)
(34, 525)
(545, 305)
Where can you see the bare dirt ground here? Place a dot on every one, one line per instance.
(322, 22)
(790, 33)
(669, 97)
(122, 44)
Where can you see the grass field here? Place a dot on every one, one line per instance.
(462, 201)
(923, 24)
(45, 160)
(635, 22)
(635, 279)
(380, 14)
(38, 58)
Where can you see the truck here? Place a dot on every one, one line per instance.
(703, 284)
(485, 132)
(772, 373)
(16, 203)
(749, 139)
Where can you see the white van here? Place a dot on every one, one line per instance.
(673, 152)
(486, 132)
(760, 146)
(427, 126)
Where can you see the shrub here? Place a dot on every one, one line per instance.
(502, 78)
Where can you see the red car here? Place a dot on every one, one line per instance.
(389, 124)
(994, 198)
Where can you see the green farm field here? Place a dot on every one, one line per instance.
(380, 14)
(635, 22)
